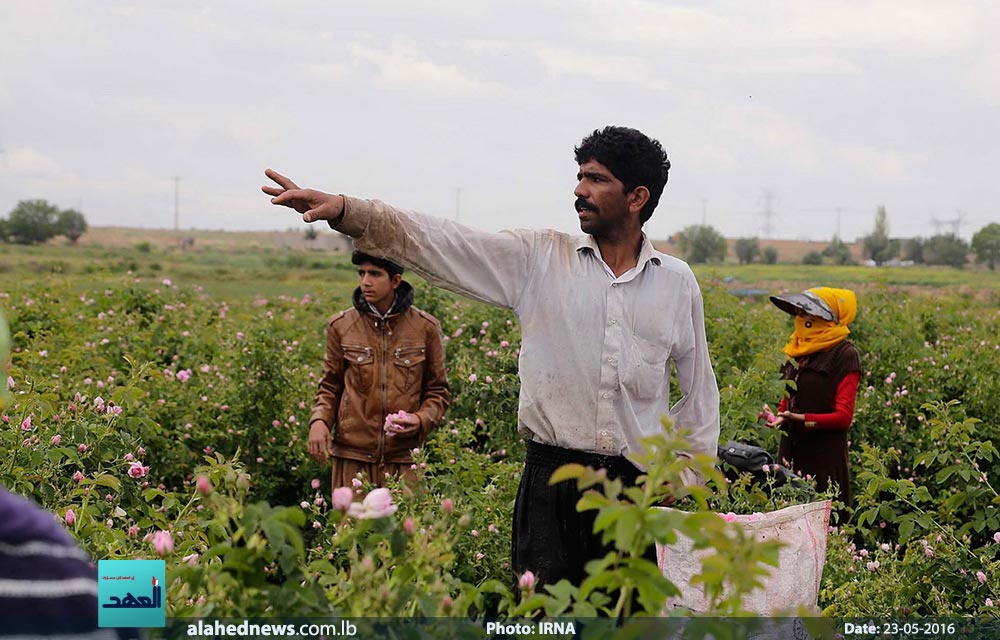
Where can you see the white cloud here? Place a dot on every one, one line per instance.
(29, 162)
(904, 25)
(880, 164)
(403, 67)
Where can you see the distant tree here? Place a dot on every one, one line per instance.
(311, 233)
(746, 250)
(71, 224)
(838, 252)
(914, 250)
(986, 244)
(702, 243)
(32, 222)
(878, 245)
(813, 257)
(769, 255)
(3, 230)
(947, 249)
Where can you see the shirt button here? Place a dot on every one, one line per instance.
(406, 362)
(614, 284)
(606, 395)
(360, 358)
(604, 433)
(614, 321)
(611, 359)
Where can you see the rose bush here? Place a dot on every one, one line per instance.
(144, 413)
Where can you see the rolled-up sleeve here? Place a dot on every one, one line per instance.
(490, 267)
(698, 410)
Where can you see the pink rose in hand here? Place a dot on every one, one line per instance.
(767, 415)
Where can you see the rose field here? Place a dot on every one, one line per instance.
(160, 409)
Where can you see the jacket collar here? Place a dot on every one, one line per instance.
(403, 301)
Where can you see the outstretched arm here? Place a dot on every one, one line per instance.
(491, 267)
(312, 204)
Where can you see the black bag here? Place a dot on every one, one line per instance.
(737, 458)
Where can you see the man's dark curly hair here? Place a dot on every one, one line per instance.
(633, 157)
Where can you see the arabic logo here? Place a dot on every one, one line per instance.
(142, 602)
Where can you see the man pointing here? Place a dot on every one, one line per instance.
(602, 317)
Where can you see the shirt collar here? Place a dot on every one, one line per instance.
(646, 251)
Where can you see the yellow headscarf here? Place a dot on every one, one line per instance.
(822, 335)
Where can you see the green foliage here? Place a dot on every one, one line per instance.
(986, 245)
(946, 249)
(813, 257)
(914, 250)
(838, 252)
(769, 255)
(702, 243)
(214, 380)
(71, 224)
(878, 246)
(746, 249)
(32, 222)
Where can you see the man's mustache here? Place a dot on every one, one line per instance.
(583, 204)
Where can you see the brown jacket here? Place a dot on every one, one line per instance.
(374, 367)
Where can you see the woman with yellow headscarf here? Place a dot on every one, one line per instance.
(825, 367)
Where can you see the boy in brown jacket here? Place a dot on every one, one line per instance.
(384, 385)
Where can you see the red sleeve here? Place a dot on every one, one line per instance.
(843, 406)
(782, 406)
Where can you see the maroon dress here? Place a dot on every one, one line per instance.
(819, 452)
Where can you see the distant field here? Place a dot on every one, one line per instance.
(230, 263)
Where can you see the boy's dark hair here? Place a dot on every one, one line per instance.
(633, 157)
(360, 257)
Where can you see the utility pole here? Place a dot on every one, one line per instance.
(838, 224)
(768, 199)
(177, 189)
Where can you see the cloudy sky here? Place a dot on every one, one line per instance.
(817, 111)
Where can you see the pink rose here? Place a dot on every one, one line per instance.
(447, 505)
(136, 470)
(192, 559)
(133, 531)
(203, 485)
(26, 425)
(342, 498)
(377, 504)
(163, 542)
(70, 517)
(82, 448)
(409, 527)
(184, 375)
(315, 483)
(78, 477)
(981, 577)
(56, 439)
(527, 581)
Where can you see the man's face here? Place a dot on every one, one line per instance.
(601, 201)
(377, 286)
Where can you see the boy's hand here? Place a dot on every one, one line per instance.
(320, 441)
(401, 424)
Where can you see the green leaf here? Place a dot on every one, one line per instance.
(107, 480)
(567, 472)
(905, 530)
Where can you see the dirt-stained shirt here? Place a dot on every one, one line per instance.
(595, 348)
